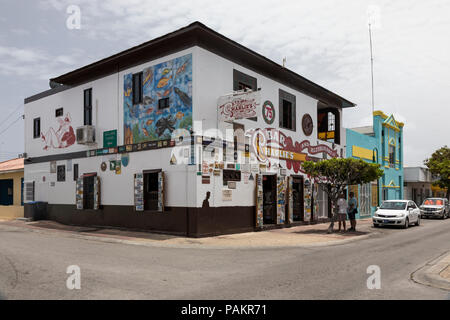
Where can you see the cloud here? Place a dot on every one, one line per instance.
(326, 41)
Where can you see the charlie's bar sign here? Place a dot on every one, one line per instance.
(238, 106)
(273, 144)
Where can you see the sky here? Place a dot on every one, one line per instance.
(325, 41)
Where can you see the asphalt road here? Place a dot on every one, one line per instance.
(33, 266)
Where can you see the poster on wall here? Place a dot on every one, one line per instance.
(79, 194)
(281, 199)
(166, 105)
(259, 201)
(139, 191)
(227, 195)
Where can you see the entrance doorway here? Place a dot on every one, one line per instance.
(6, 192)
(297, 199)
(151, 190)
(88, 191)
(269, 199)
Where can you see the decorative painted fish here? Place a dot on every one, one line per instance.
(148, 100)
(158, 112)
(179, 115)
(183, 97)
(182, 68)
(164, 124)
(163, 82)
(148, 77)
(149, 122)
(165, 71)
(128, 92)
(149, 110)
(166, 92)
(145, 132)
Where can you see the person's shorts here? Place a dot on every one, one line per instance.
(342, 216)
(352, 214)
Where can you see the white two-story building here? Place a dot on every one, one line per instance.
(189, 133)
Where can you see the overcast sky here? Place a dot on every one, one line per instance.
(324, 41)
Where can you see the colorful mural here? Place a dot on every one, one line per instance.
(64, 137)
(148, 122)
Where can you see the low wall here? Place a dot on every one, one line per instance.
(11, 212)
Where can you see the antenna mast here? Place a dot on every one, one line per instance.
(371, 66)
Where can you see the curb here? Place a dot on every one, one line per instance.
(194, 245)
(429, 274)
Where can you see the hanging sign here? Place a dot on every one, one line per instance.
(238, 106)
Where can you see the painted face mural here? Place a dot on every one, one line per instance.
(63, 137)
(167, 101)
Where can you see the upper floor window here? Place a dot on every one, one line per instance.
(88, 107)
(59, 112)
(287, 110)
(242, 81)
(328, 124)
(391, 156)
(36, 127)
(137, 88)
(163, 103)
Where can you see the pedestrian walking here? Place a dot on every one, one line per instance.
(352, 211)
(342, 211)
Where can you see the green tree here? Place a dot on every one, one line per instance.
(439, 165)
(338, 173)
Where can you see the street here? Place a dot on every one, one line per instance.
(33, 266)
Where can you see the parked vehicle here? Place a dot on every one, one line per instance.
(435, 208)
(397, 213)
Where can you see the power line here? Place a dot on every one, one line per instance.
(15, 110)
(1, 132)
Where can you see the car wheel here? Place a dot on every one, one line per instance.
(406, 225)
(418, 221)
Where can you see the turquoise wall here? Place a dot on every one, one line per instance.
(390, 185)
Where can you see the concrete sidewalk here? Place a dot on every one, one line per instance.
(307, 235)
(435, 273)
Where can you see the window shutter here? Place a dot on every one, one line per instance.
(29, 191)
(79, 193)
(161, 191)
(139, 191)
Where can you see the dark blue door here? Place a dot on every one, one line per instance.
(6, 192)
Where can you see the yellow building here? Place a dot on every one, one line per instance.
(11, 189)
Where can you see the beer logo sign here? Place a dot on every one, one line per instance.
(268, 112)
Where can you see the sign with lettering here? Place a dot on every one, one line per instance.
(110, 139)
(273, 144)
(238, 106)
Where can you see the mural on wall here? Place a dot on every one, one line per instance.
(272, 143)
(148, 121)
(63, 137)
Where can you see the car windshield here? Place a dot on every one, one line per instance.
(393, 205)
(433, 202)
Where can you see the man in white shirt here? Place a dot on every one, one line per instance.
(342, 210)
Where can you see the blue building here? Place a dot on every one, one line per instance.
(380, 143)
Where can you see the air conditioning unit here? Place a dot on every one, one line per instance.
(86, 135)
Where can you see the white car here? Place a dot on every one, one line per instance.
(397, 213)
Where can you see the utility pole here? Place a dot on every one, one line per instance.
(371, 66)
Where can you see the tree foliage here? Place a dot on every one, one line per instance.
(338, 173)
(439, 165)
